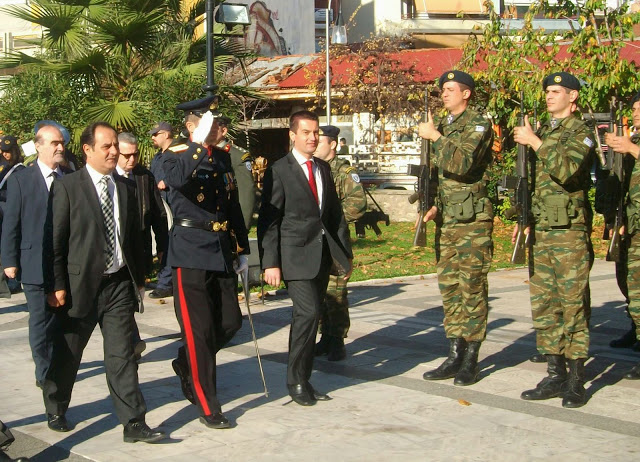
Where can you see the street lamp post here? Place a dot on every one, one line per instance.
(229, 14)
(339, 36)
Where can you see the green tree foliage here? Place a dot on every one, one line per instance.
(128, 62)
(506, 60)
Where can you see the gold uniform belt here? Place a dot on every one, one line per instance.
(213, 226)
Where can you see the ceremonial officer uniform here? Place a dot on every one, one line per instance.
(334, 321)
(204, 202)
(562, 156)
(461, 152)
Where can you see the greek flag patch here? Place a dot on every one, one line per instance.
(588, 141)
(479, 128)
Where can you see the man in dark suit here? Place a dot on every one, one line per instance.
(94, 238)
(301, 231)
(22, 236)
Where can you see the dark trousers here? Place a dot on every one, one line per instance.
(164, 275)
(42, 327)
(206, 304)
(114, 307)
(308, 304)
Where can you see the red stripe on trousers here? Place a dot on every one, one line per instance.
(191, 348)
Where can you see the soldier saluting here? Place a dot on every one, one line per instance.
(563, 153)
(204, 202)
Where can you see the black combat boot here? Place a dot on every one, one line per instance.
(322, 347)
(337, 351)
(574, 393)
(450, 367)
(634, 373)
(468, 373)
(628, 340)
(538, 358)
(550, 386)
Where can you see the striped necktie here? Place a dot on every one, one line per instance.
(106, 203)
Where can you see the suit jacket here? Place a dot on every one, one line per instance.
(290, 225)
(152, 214)
(76, 234)
(23, 225)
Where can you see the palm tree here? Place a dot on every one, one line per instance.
(112, 49)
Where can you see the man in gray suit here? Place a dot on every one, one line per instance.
(22, 235)
(301, 231)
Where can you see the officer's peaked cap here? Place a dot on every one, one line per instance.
(330, 131)
(198, 107)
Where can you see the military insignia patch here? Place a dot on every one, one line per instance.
(179, 148)
(1, 168)
(557, 79)
(200, 197)
(450, 75)
(588, 141)
(449, 118)
(248, 165)
(355, 178)
(479, 128)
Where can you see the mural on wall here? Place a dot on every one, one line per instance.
(280, 27)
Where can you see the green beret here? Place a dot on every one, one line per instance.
(564, 79)
(457, 76)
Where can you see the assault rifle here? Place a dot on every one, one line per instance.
(615, 161)
(520, 185)
(423, 172)
(371, 218)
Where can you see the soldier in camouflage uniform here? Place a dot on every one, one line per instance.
(607, 199)
(334, 323)
(563, 153)
(624, 145)
(461, 152)
(242, 163)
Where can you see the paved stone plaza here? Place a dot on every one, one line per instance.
(381, 410)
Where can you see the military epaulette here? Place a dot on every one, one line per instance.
(179, 148)
(246, 157)
(351, 169)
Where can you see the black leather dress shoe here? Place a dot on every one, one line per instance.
(538, 358)
(217, 421)
(300, 394)
(140, 431)
(316, 394)
(161, 293)
(57, 423)
(185, 381)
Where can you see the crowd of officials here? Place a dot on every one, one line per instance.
(81, 243)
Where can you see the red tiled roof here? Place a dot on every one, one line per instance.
(427, 64)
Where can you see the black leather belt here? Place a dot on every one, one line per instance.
(122, 273)
(213, 226)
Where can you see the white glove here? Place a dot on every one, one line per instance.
(241, 264)
(203, 129)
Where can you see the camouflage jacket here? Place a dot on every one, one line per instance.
(349, 189)
(608, 187)
(561, 175)
(462, 156)
(633, 198)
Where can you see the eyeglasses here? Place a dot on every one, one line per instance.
(129, 154)
(158, 133)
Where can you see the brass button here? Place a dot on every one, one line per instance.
(215, 174)
(199, 150)
(218, 208)
(195, 156)
(201, 187)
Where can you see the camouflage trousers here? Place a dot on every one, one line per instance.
(463, 254)
(559, 290)
(633, 279)
(335, 317)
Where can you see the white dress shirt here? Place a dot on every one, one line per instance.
(118, 259)
(46, 173)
